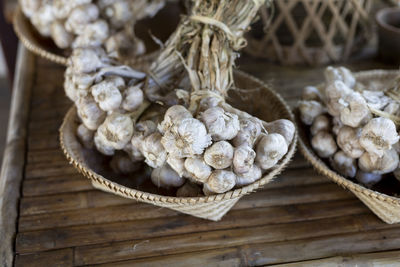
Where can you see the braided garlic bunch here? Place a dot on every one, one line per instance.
(354, 125)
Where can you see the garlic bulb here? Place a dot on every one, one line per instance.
(189, 189)
(80, 17)
(270, 149)
(178, 165)
(90, 113)
(198, 169)
(378, 135)
(174, 115)
(339, 74)
(166, 177)
(249, 131)
(30, 7)
(375, 99)
(283, 127)
(355, 111)
(321, 123)
(219, 155)
(243, 159)
(309, 110)
(117, 130)
(337, 125)
(133, 152)
(133, 98)
(61, 37)
(344, 164)
(107, 95)
(118, 13)
(348, 140)
(221, 181)
(85, 136)
(220, 124)
(103, 146)
(368, 179)
(311, 93)
(154, 151)
(86, 60)
(43, 19)
(324, 144)
(335, 94)
(121, 163)
(249, 177)
(93, 34)
(387, 163)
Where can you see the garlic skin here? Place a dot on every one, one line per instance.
(189, 189)
(61, 37)
(309, 110)
(249, 177)
(154, 151)
(368, 179)
(198, 169)
(311, 93)
(94, 34)
(90, 113)
(324, 144)
(283, 127)
(344, 164)
(187, 139)
(86, 60)
(375, 99)
(335, 94)
(80, 17)
(355, 111)
(118, 13)
(178, 165)
(221, 181)
(30, 7)
(219, 155)
(103, 146)
(133, 152)
(321, 123)
(348, 139)
(371, 163)
(243, 159)
(42, 20)
(337, 125)
(166, 177)
(250, 130)
(107, 95)
(117, 130)
(174, 115)
(339, 74)
(270, 149)
(220, 124)
(121, 163)
(133, 98)
(378, 135)
(85, 136)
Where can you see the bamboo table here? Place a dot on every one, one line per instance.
(51, 215)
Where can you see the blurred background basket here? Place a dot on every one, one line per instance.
(311, 32)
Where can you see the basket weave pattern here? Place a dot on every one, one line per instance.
(385, 207)
(212, 207)
(314, 31)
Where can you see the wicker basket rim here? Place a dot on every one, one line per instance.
(321, 167)
(233, 194)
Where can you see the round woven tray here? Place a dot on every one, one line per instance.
(384, 206)
(256, 98)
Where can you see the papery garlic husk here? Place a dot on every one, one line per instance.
(250, 130)
(311, 93)
(321, 123)
(309, 110)
(355, 111)
(178, 165)
(324, 144)
(368, 179)
(121, 163)
(189, 189)
(85, 136)
(117, 130)
(221, 181)
(375, 99)
(270, 149)
(344, 164)
(220, 124)
(90, 113)
(219, 155)
(283, 127)
(107, 95)
(335, 94)
(166, 177)
(249, 177)
(378, 135)
(198, 169)
(243, 159)
(153, 150)
(387, 163)
(348, 140)
(133, 98)
(339, 74)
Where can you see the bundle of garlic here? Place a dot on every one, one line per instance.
(353, 125)
(86, 23)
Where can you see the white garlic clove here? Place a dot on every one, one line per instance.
(348, 139)
(250, 130)
(339, 74)
(107, 95)
(60, 36)
(154, 151)
(378, 135)
(221, 181)
(219, 155)
(243, 159)
(321, 123)
(220, 124)
(198, 169)
(311, 93)
(85, 136)
(121, 163)
(103, 146)
(371, 163)
(166, 177)
(283, 127)
(355, 111)
(324, 144)
(189, 189)
(133, 98)
(368, 179)
(344, 164)
(117, 130)
(270, 149)
(309, 110)
(94, 34)
(249, 177)
(90, 113)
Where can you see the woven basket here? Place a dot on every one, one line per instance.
(261, 102)
(384, 206)
(311, 32)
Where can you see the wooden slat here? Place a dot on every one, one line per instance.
(60, 258)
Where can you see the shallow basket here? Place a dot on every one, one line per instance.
(384, 206)
(256, 99)
(311, 32)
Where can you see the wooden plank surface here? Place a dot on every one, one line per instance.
(299, 217)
